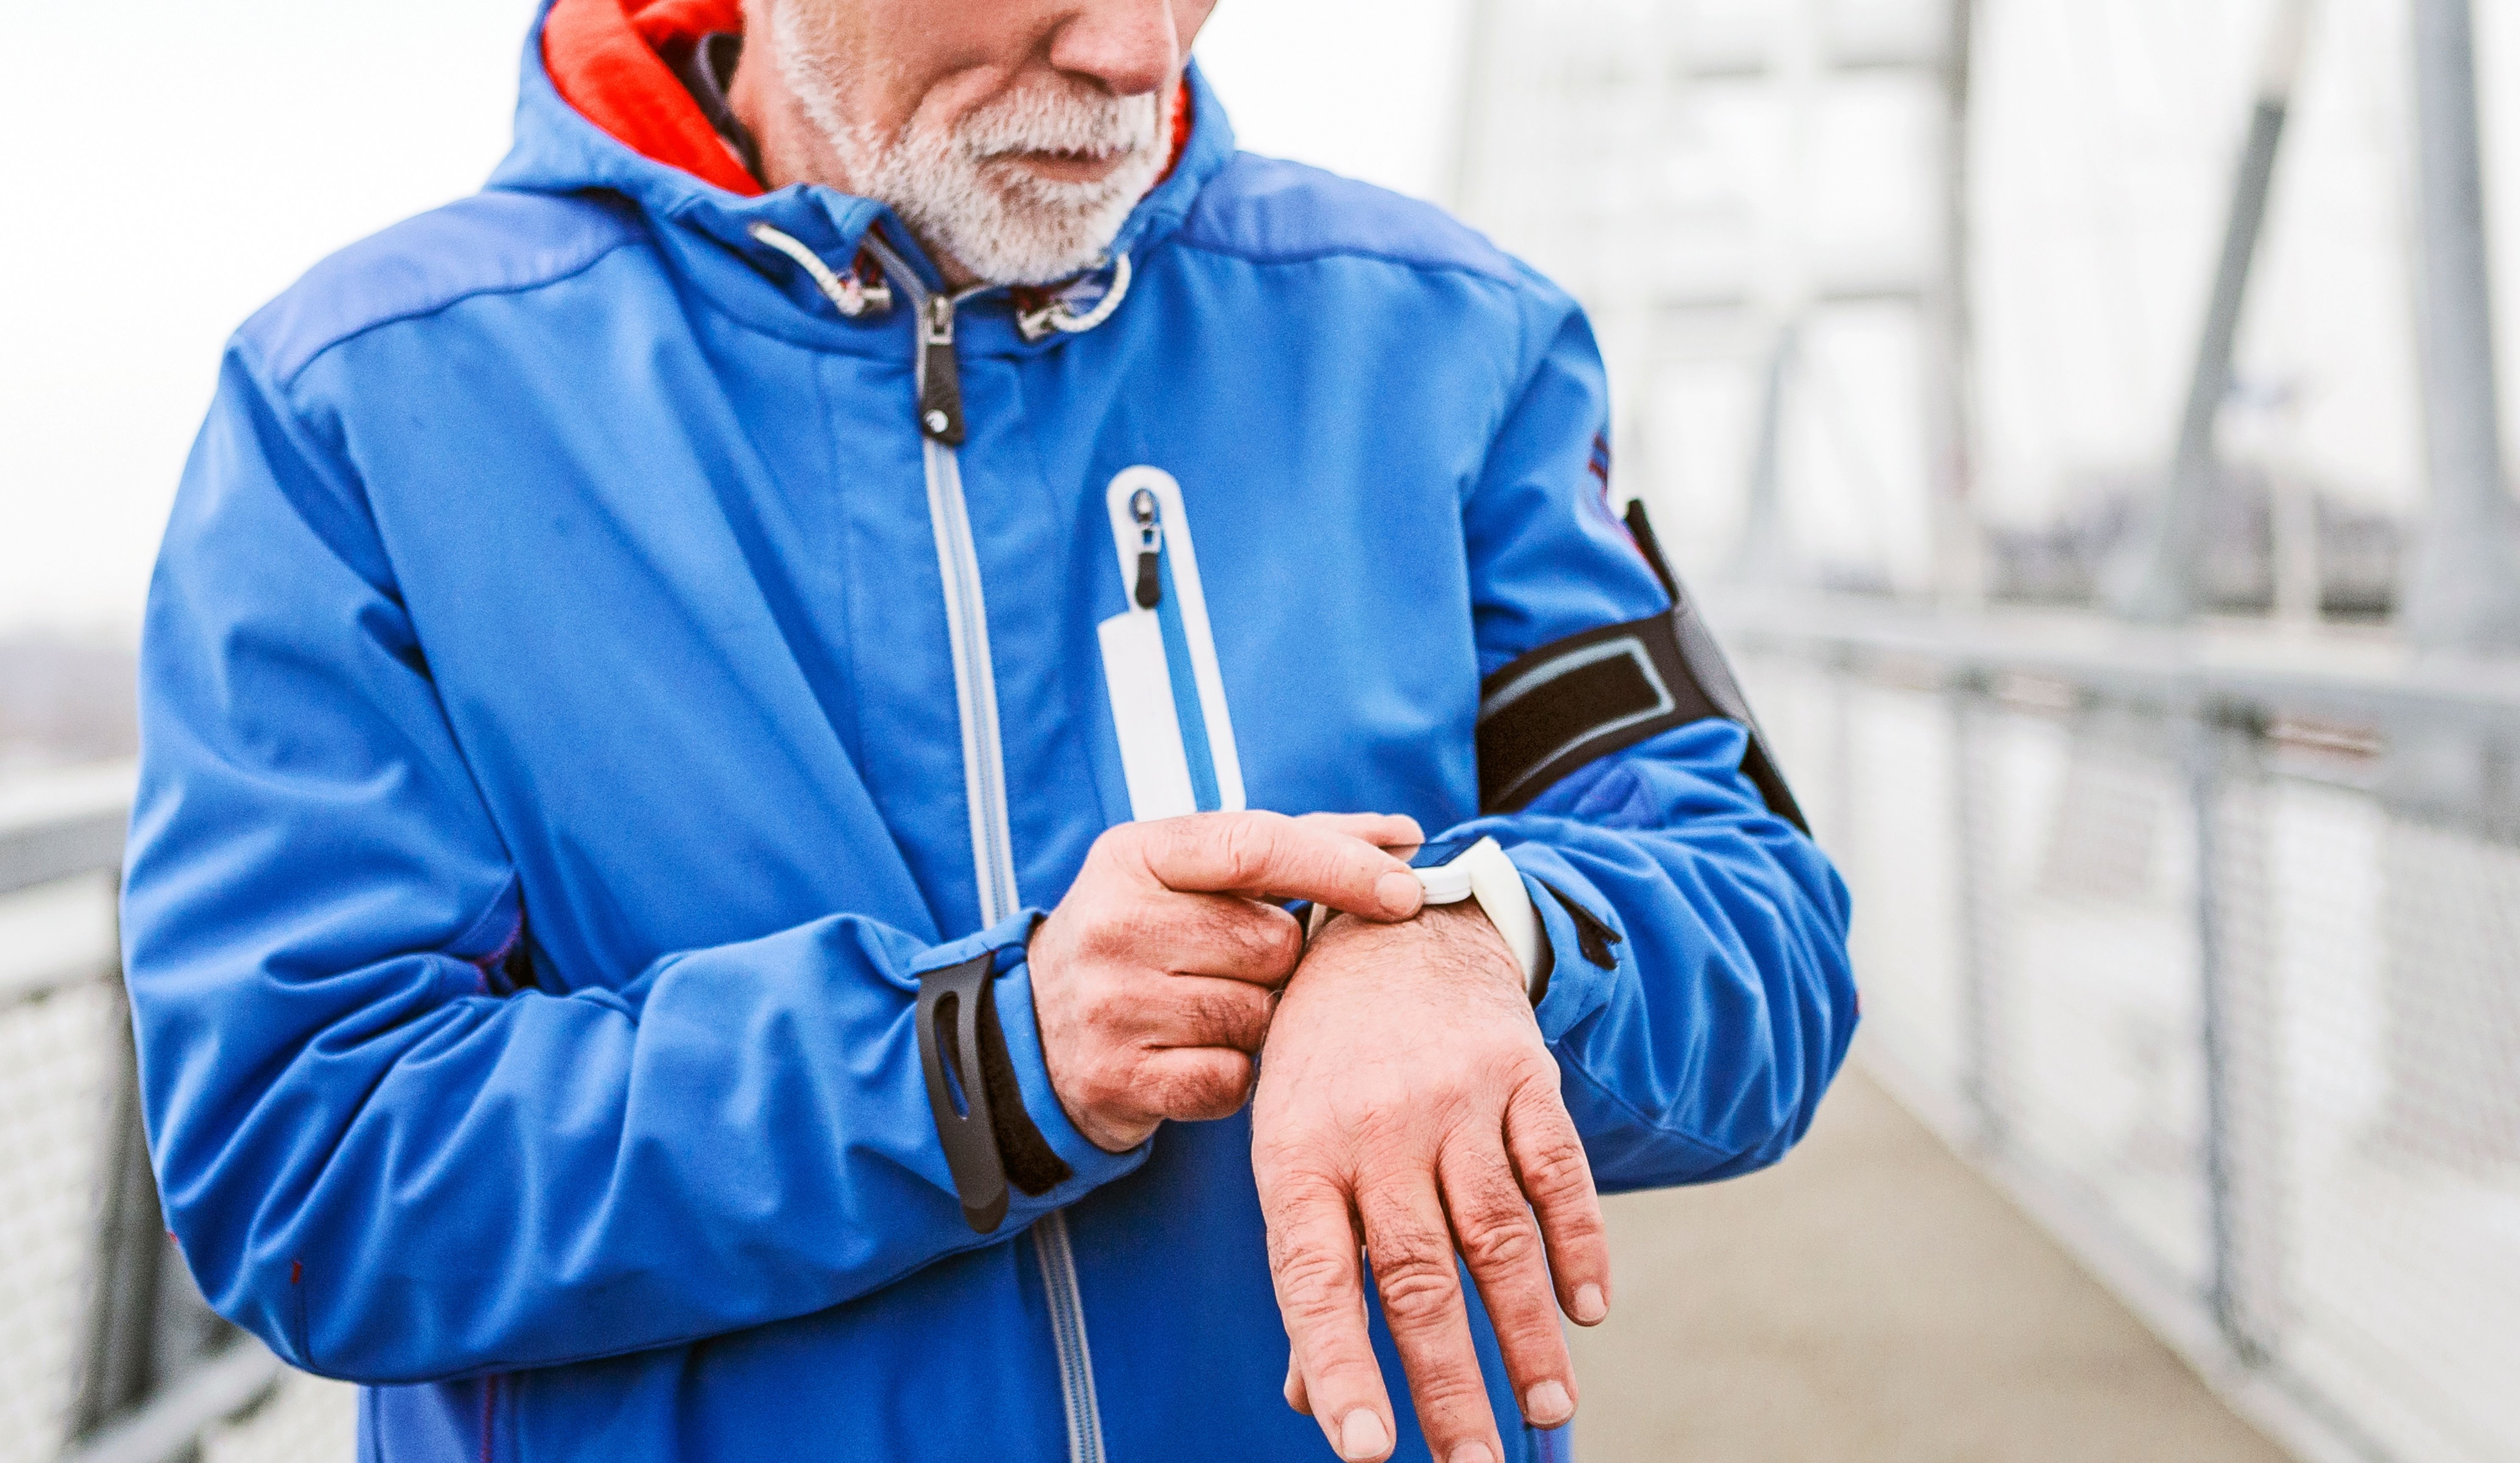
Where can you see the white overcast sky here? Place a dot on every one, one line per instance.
(178, 163)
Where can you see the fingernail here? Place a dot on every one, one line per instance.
(1362, 1438)
(1399, 894)
(1548, 1405)
(1590, 1308)
(1472, 1452)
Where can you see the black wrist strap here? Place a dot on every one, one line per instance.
(1594, 693)
(988, 1139)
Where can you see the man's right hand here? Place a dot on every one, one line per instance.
(1155, 979)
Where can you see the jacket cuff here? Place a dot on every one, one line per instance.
(1089, 1167)
(1587, 947)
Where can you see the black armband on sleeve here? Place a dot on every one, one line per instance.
(1581, 698)
(988, 1137)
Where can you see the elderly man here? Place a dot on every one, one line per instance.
(638, 651)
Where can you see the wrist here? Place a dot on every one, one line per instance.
(1476, 876)
(1454, 945)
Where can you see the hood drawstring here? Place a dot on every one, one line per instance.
(1058, 316)
(852, 295)
(863, 289)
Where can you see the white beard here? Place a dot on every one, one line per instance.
(958, 188)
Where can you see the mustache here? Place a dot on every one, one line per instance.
(1039, 120)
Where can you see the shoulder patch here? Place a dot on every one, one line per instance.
(1274, 213)
(490, 243)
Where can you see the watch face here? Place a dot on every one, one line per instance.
(1440, 853)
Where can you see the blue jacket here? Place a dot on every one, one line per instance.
(578, 702)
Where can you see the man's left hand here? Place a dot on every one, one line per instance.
(1409, 1103)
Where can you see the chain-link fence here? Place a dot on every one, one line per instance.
(107, 1353)
(2209, 950)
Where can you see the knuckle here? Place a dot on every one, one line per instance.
(1417, 1288)
(1123, 854)
(1290, 1161)
(1174, 1094)
(1106, 1006)
(1234, 1090)
(1537, 1080)
(1240, 934)
(1555, 1167)
(1499, 1242)
(1112, 932)
(1168, 845)
(1245, 1021)
(1275, 941)
(1146, 926)
(1394, 1123)
(1245, 846)
(1580, 1230)
(1111, 1077)
(1226, 1076)
(1211, 1090)
(1295, 1184)
(1311, 1286)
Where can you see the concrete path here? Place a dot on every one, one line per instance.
(1871, 1299)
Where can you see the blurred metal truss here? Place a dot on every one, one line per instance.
(2171, 933)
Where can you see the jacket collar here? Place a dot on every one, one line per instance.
(702, 206)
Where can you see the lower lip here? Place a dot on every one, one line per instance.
(1067, 166)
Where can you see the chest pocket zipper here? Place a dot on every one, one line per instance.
(1168, 710)
(1156, 590)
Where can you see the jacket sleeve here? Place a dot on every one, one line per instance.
(372, 1159)
(1696, 1037)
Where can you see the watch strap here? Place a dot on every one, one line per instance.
(1496, 884)
(1482, 871)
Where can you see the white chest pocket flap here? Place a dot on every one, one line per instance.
(1159, 659)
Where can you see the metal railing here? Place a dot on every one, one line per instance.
(2205, 944)
(113, 1356)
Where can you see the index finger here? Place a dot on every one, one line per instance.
(1314, 1267)
(1409, 1245)
(1270, 855)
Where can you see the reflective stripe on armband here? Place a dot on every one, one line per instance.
(1575, 700)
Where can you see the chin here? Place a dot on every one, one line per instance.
(1025, 243)
(1026, 262)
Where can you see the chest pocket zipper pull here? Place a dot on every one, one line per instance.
(1151, 549)
(940, 392)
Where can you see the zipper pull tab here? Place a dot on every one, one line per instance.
(940, 383)
(1151, 549)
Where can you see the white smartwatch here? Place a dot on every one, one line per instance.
(1454, 871)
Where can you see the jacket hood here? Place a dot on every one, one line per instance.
(599, 112)
(603, 57)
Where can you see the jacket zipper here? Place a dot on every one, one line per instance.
(940, 379)
(942, 431)
(1058, 1260)
(967, 614)
(1154, 591)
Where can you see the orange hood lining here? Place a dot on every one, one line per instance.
(602, 59)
